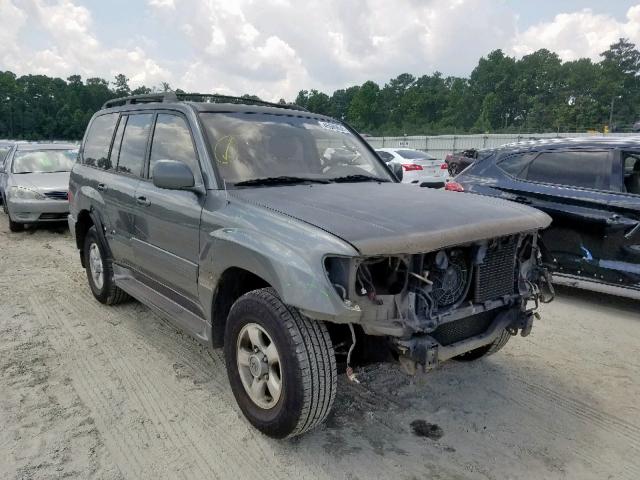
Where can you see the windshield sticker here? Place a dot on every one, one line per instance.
(226, 150)
(336, 127)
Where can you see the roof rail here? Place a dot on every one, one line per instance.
(169, 97)
(146, 98)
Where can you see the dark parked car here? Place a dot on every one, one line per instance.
(458, 161)
(636, 126)
(591, 189)
(281, 236)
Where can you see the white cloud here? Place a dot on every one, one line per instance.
(273, 48)
(578, 34)
(13, 19)
(276, 47)
(73, 47)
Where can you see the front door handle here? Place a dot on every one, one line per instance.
(102, 187)
(142, 200)
(521, 199)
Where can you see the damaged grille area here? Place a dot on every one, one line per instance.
(462, 329)
(495, 276)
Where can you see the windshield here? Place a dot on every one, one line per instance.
(253, 146)
(44, 161)
(413, 154)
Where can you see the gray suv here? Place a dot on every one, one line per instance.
(280, 235)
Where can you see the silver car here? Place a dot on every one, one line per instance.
(35, 183)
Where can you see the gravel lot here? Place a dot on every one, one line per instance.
(88, 391)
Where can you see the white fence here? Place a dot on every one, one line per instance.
(440, 145)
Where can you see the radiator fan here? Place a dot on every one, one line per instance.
(449, 277)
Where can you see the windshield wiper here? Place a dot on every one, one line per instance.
(282, 180)
(358, 178)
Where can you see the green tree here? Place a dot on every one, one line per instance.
(121, 85)
(365, 109)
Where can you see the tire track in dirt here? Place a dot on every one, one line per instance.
(170, 436)
(543, 401)
(171, 394)
(92, 382)
(48, 430)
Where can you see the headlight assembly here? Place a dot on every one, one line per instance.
(22, 193)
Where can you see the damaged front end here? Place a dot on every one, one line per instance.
(439, 305)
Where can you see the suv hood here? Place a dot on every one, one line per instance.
(392, 218)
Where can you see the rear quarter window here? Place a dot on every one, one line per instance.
(98, 142)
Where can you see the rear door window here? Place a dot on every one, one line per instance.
(573, 168)
(98, 142)
(134, 144)
(172, 141)
(516, 164)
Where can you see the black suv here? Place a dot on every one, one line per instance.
(591, 188)
(278, 233)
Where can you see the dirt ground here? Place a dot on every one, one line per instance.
(88, 391)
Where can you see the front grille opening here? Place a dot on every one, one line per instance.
(57, 195)
(53, 216)
(459, 330)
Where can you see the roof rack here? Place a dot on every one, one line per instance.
(171, 97)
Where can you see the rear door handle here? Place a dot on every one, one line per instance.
(102, 187)
(142, 200)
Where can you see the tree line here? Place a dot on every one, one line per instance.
(536, 93)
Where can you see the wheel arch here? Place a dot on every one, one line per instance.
(88, 218)
(233, 283)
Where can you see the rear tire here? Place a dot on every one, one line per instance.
(100, 271)
(490, 349)
(306, 365)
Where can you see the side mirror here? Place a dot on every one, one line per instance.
(172, 175)
(396, 168)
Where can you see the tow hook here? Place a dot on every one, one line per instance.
(524, 323)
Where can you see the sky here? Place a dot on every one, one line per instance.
(274, 48)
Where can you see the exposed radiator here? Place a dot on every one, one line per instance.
(495, 276)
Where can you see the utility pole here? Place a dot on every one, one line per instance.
(613, 99)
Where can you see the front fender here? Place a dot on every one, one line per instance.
(299, 280)
(286, 253)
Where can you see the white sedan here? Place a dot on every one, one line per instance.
(418, 167)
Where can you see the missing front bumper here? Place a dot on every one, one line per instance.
(429, 350)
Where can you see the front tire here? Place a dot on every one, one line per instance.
(15, 226)
(100, 271)
(490, 349)
(281, 365)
